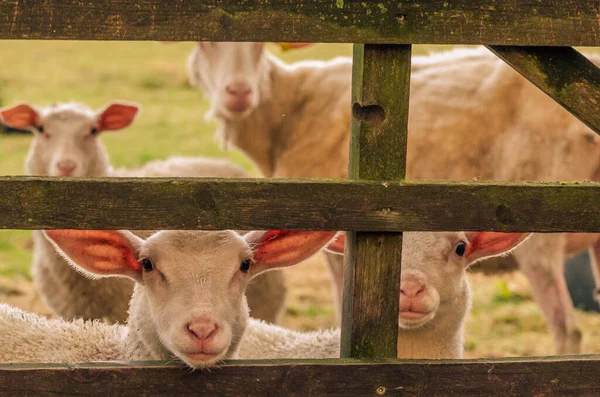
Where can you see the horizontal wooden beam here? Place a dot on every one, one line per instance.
(212, 204)
(538, 376)
(564, 74)
(507, 22)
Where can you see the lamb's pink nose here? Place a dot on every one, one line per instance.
(412, 289)
(66, 167)
(202, 329)
(239, 90)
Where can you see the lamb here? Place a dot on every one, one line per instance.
(66, 143)
(294, 121)
(434, 303)
(188, 302)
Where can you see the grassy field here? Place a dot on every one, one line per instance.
(504, 320)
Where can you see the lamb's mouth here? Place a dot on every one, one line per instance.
(411, 319)
(201, 359)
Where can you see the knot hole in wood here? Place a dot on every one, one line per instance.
(370, 114)
(504, 215)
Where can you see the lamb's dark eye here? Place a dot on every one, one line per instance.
(94, 131)
(245, 266)
(461, 247)
(147, 265)
(40, 128)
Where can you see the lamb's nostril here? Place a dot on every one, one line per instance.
(412, 290)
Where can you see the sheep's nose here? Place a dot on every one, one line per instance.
(238, 89)
(412, 289)
(66, 167)
(202, 329)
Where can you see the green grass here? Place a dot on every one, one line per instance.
(15, 257)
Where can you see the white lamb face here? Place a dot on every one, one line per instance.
(232, 75)
(195, 286)
(65, 141)
(432, 274)
(434, 270)
(65, 144)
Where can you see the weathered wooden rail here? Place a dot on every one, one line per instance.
(209, 203)
(375, 207)
(526, 22)
(534, 376)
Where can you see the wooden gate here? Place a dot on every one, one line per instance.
(375, 205)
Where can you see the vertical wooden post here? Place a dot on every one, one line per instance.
(380, 94)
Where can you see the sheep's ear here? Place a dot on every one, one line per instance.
(336, 246)
(116, 116)
(488, 244)
(99, 252)
(282, 248)
(19, 116)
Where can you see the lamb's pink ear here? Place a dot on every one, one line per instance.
(488, 244)
(116, 116)
(99, 252)
(336, 245)
(281, 248)
(19, 116)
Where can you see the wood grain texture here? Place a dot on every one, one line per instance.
(507, 22)
(564, 74)
(536, 376)
(378, 151)
(211, 204)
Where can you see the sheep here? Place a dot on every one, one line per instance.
(188, 302)
(434, 302)
(66, 143)
(471, 116)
